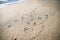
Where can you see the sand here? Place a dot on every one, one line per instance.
(30, 20)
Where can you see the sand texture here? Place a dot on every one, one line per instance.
(30, 20)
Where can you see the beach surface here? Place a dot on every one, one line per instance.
(30, 20)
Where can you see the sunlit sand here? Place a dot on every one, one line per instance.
(30, 20)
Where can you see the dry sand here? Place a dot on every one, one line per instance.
(30, 20)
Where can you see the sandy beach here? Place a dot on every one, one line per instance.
(30, 20)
